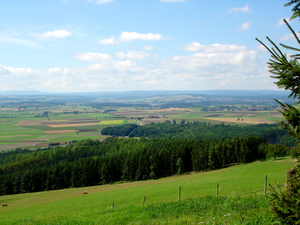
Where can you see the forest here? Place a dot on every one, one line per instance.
(91, 162)
(198, 130)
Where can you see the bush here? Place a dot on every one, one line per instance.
(285, 202)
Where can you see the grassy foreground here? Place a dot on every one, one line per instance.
(239, 185)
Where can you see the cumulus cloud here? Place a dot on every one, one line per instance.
(93, 57)
(245, 26)
(241, 9)
(131, 36)
(197, 47)
(109, 41)
(134, 55)
(53, 34)
(234, 67)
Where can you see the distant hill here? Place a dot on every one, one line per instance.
(143, 94)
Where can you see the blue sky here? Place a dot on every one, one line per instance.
(121, 45)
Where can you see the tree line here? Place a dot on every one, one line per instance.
(271, 132)
(91, 162)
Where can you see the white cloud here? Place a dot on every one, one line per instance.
(245, 26)
(52, 34)
(261, 48)
(281, 23)
(289, 37)
(93, 57)
(148, 48)
(232, 67)
(241, 9)
(197, 47)
(109, 41)
(134, 55)
(131, 36)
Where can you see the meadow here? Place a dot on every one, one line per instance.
(239, 185)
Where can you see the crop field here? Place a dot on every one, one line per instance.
(110, 122)
(29, 127)
(69, 206)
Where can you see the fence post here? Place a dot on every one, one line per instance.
(217, 190)
(179, 193)
(288, 173)
(266, 181)
(112, 205)
(144, 200)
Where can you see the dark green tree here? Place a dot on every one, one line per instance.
(285, 201)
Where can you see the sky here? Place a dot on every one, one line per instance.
(123, 45)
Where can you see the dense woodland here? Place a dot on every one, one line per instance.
(271, 132)
(90, 162)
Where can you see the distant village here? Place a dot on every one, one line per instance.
(240, 108)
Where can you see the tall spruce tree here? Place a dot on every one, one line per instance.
(285, 201)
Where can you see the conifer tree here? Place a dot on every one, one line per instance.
(285, 202)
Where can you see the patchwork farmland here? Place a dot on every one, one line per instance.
(33, 128)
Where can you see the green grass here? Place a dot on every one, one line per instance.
(68, 206)
(104, 122)
(70, 138)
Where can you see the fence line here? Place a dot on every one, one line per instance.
(249, 204)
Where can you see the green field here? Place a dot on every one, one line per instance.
(29, 125)
(103, 122)
(69, 206)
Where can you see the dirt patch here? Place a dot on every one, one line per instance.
(245, 120)
(72, 125)
(9, 109)
(102, 138)
(60, 131)
(28, 123)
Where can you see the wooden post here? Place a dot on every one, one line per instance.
(217, 190)
(266, 181)
(112, 205)
(289, 173)
(144, 200)
(179, 193)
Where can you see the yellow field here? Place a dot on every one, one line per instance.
(110, 122)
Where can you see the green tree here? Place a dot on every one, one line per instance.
(285, 202)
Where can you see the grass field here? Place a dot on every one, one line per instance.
(69, 206)
(103, 122)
